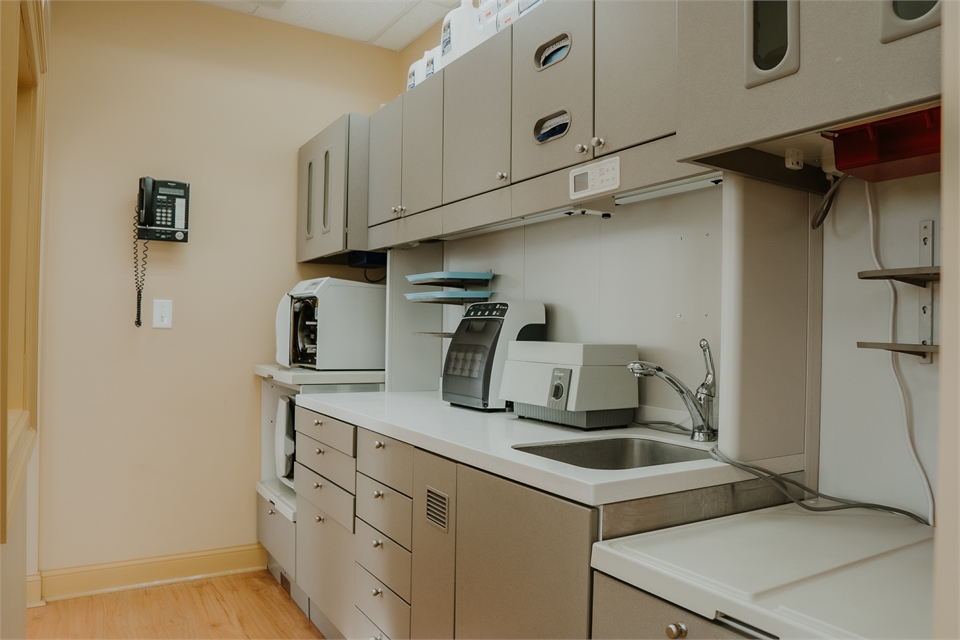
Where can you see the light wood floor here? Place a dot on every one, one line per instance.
(248, 605)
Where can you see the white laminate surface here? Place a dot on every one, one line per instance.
(298, 376)
(789, 572)
(486, 441)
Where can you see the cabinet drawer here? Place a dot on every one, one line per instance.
(621, 611)
(325, 495)
(384, 558)
(363, 628)
(328, 462)
(339, 435)
(387, 510)
(386, 460)
(384, 608)
(278, 536)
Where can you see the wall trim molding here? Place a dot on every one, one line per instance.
(34, 599)
(73, 582)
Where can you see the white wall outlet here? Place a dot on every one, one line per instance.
(162, 314)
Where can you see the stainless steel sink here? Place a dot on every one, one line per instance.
(615, 453)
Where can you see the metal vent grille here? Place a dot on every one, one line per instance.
(437, 508)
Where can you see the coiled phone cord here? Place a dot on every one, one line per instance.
(139, 265)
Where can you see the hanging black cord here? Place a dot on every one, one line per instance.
(139, 265)
(367, 278)
(827, 203)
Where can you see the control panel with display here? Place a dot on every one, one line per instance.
(598, 177)
(163, 210)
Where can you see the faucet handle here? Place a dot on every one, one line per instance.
(708, 386)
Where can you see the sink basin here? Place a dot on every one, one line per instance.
(615, 453)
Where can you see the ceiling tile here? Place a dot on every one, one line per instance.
(359, 20)
(405, 30)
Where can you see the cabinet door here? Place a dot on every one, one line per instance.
(476, 120)
(321, 193)
(635, 67)
(277, 535)
(386, 152)
(623, 612)
(422, 172)
(523, 560)
(325, 565)
(552, 89)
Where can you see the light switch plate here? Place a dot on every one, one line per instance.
(162, 314)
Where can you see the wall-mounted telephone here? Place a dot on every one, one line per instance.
(163, 213)
(163, 207)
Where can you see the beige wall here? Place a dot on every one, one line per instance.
(414, 51)
(150, 437)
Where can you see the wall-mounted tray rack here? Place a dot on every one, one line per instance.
(459, 279)
(912, 349)
(917, 276)
(449, 297)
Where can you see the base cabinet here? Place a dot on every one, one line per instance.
(624, 612)
(325, 564)
(277, 535)
(523, 561)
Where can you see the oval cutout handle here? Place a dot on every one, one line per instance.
(551, 127)
(552, 51)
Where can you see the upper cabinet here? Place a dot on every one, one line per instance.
(552, 88)
(476, 120)
(635, 73)
(332, 190)
(406, 153)
(752, 71)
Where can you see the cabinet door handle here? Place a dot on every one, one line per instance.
(318, 423)
(379, 444)
(394, 210)
(271, 512)
(401, 209)
(319, 519)
(317, 485)
(376, 592)
(597, 142)
(581, 148)
(319, 451)
(501, 175)
(377, 543)
(676, 630)
(377, 494)
(377, 638)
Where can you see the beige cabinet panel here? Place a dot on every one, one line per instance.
(385, 509)
(337, 434)
(476, 120)
(384, 558)
(363, 628)
(552, 85)
(422, 164)
(328, 462)
(383, 607)
(326, 564)
(277, 535)
(523, 560)
(387, 460)
(324, 495)
(621, 611)
(386, 153)
(422, 226)
(845, 72)
(635, 72)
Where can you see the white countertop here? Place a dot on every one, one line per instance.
(299, 376)
(789, 572)
(486, 441)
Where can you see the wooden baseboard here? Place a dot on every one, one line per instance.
(34, 597)
(59, 584)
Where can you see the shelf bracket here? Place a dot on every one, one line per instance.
(926, 295)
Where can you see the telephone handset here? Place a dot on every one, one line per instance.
(163, 213)
(163, 209)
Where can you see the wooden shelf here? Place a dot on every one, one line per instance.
(918, 276)
(912, 349)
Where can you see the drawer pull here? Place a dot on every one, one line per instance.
(377, 638)
(271, 512)
(379, 444)
(376, 592)
(319, 451)
(377, 543)
(676, 630)
(318, 485)
(377, 494)
(318, 423)
(319, 518)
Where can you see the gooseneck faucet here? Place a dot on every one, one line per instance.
(699, 404)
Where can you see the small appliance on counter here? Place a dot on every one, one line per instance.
(478, 350)
(333, 325)
(579, 385)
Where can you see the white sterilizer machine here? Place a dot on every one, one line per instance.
(333, 325)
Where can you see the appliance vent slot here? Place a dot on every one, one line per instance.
(437, 508)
